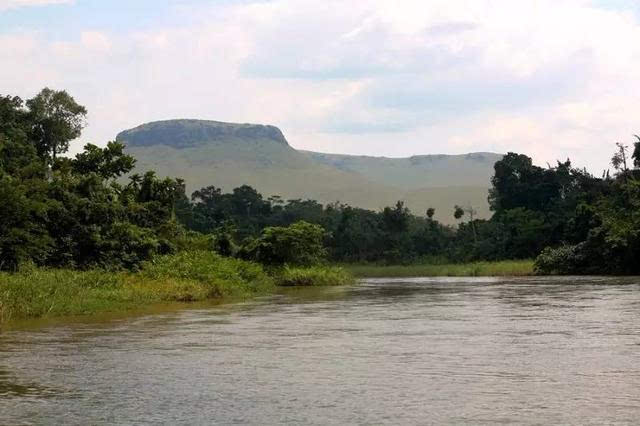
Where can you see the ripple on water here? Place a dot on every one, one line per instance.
(391, 351)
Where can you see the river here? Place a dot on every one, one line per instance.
(387, 351)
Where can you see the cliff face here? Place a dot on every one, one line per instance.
(190, 133)
(229, 155)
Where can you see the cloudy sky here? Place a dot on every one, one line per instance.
(550, 78)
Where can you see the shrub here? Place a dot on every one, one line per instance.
(297, 244)
(561, 260)
(223, 275)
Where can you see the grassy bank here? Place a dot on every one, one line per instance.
(184, 277)
(475, 269)
(314, 276)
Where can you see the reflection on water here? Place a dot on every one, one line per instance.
(390, 351)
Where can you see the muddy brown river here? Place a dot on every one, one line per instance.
(387, 351)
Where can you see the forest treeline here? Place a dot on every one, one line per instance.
(89, 211)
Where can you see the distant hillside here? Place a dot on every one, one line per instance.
(229, 155)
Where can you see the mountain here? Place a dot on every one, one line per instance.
(228, 155)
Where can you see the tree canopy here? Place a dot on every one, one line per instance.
(72, 212)
(89, 210)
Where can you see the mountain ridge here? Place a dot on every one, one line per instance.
(228, 155)
(194, 131)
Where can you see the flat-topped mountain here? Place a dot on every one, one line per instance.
(191, 133)
(228, 155)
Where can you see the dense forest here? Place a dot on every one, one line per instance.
(88, 211)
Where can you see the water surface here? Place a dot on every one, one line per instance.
(389, 351)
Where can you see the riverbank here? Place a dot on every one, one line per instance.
(183, 277)
(476, 269)
(194, 276)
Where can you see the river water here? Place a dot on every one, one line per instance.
(387, 351)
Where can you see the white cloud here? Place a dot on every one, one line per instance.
(95, 41)
(16, 4)
(548, 78)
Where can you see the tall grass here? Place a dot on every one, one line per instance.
(188, 276)
(313, 276)
(475, 269)
(222, 276)
(185, 277)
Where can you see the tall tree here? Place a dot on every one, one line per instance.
(619, 160)
(56, 119)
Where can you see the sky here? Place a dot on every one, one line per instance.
(549, 78)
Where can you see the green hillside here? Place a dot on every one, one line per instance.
(229, 155)
(418, 171)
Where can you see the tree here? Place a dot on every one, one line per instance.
(396, 219)
(72, 212)
(55, 119)
(609, 227)
(297, 244)
(357, 235)
(619, 160)
(23, 235)
(109, 162)
(395, 236)
(430, 212)
(18, 155)
(458, 212)
(246, 201)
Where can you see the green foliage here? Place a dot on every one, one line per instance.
(81, 213)
(525, 232)
(356, 235)
(70, 212)
(223, 244)
(23, 234)
(352, 234)
(393, 235)
(458, 212)
(212, 210)
(186, 240)
(534, 208)
(560, 260)
(109, 162)
(55, 119)
(313, 276)
(298, 244)
(224, 275)
(609, 227)
(186, 277)
(505, 268)
(18, 156)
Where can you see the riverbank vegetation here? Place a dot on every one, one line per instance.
(75, 220)
(504, 268)
(314, 276)
(570, 221)
(83, 235)
(188, 276)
